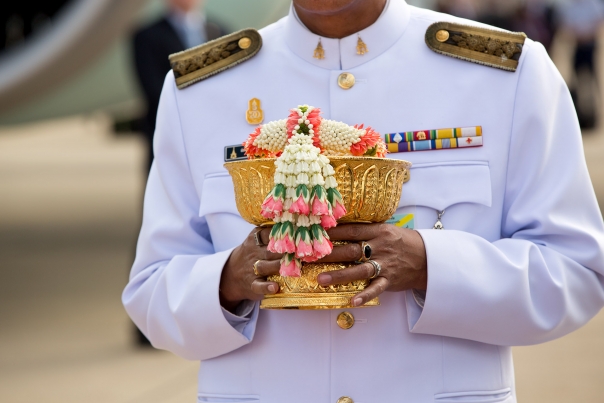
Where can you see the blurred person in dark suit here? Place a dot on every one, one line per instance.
(183, 26)
(536, 19)
(458, 8)
(498, 13)
(583, 20)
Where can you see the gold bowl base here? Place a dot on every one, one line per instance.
(305, 293)
(314, 301)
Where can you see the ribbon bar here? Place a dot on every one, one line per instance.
(440, 144)
(440, 134)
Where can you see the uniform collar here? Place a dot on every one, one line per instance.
(341, 54)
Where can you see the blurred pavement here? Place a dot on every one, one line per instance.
(69, 212)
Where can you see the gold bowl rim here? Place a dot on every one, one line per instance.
(406, 164)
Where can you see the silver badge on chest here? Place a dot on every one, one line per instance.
(439, 224)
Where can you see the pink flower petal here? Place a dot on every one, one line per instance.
(328, 221)
(303, 250)
(291, 269)
(319, 207)
(300, 207)
(339, 211)
(322, 249)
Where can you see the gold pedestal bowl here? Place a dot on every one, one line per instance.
(371, 189)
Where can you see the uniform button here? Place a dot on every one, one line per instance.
(346, 81)
(442, 35)
(345, 321)
(245, 43)
(345, 399)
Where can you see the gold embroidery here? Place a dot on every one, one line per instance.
(254, 114)
(489, 47)
(205, 59)
(319, 51)
(361, 47)
(201, 62)
(483, 44)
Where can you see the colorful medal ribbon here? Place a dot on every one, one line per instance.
(434, 139)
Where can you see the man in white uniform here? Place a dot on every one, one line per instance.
(520, 260)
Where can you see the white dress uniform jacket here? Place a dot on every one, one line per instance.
(520, 260)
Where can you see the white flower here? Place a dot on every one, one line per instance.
(314, 167)
(302, 179)
(303, 221)
(330, 182)
(290, 181)
(287, 216)
(273, 136)
(328, 170)
(314, 219)
(280, 178)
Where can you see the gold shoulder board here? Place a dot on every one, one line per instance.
(489, 47)
(203, 61)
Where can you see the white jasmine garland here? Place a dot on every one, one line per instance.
(273, 136)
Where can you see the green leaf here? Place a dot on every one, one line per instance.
(275, 230)
(330, 196)
(372, 152)
(302, 190)
(316, 231)
(318, 190)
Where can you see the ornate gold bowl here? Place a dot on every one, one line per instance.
(371, 189)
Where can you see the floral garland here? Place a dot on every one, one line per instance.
(305, 201)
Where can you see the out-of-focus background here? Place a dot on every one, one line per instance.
(74, 136)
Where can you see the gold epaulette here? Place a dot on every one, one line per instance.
(203, 61)
(489, 47)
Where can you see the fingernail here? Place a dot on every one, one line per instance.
(357, 302)
(272, 288)
(324, 279)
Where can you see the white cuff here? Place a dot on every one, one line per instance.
(420, 297)
(244, 312)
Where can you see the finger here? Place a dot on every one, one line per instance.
(265, 287)
(268, 267)
(263, 235)
(354, 232)
(344, 253)
(377, 287)
(354, 273)
(267, 255)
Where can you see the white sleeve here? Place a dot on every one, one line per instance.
(173, 295)
(241, 317)
(544, 278)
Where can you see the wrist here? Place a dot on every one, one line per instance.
(229, 300)
(229, 305)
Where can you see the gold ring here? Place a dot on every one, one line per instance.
(365, 252)
(256, 268)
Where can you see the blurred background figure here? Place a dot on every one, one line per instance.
(184, 25)
(18, 20)
(536, 18)
(498, 13)
(583, 19)
(459, 8)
